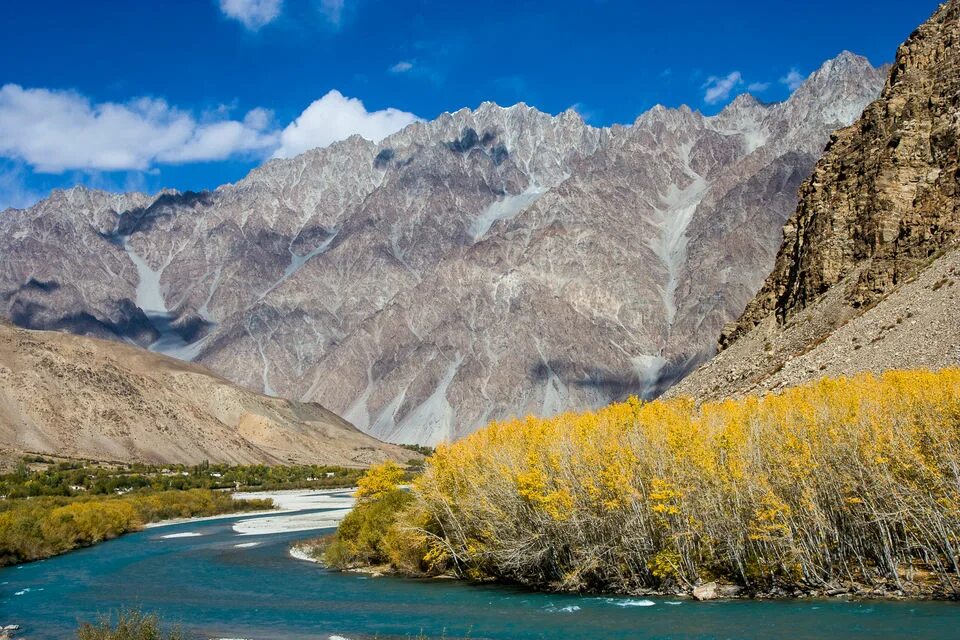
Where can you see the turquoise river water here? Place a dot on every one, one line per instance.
(215, 589)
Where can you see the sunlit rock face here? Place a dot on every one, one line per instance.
(886, 190)
(489, 263)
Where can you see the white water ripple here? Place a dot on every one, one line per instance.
(631, 603)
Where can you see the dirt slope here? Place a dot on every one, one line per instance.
(917, 325)
(80, 397)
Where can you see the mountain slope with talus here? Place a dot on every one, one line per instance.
(867, 275)
(491, 262)
(80, 397)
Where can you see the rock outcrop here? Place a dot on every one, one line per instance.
(865, 278)
(80, 397)
(887, 190)
(492, 262)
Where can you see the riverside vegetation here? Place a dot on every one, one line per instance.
(37, 528)
(42, 476)
(50, 507)
(131, 624)
(843, 485)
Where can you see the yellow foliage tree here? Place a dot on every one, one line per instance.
(379, 481)
(838, 480)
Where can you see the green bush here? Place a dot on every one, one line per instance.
(130, 625)
(360, 539)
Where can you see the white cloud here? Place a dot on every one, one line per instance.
(332, 11)
(335, 117)
(718, 89)
(758, 87)
(53, 131)
(401, 67)
(254, 14)
(793, 80)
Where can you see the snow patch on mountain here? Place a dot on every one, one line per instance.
(505, 208)
(149, 297)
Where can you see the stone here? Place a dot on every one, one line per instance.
(706, 591)
(729, 590)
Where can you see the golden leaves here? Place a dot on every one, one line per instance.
(379, 481)
(784, 485)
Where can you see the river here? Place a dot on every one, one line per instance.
(217, 583)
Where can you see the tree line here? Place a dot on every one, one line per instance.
(37, 528)
(850, 483)
(39, 476)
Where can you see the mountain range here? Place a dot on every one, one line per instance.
(489, 263)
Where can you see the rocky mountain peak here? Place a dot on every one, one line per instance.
(839, 74)
(845, 62)
(745, 102)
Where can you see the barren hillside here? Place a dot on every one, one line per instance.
(74, 396)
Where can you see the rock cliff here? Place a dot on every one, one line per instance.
(885, 197)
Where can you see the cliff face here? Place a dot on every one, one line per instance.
(866, 278)
(884, 197)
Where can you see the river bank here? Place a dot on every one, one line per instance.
(36, 528)
(215, 585)
(704, 592)
(48, 526)
(388, 534)
(285, 501)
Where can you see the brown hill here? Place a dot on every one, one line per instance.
(865, 277)
(66, 395)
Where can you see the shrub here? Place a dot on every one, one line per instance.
(360, 538)
(379, 481)
(131, 625)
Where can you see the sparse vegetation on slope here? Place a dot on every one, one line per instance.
(841, 484)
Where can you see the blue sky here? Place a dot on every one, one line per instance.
(193, 93)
